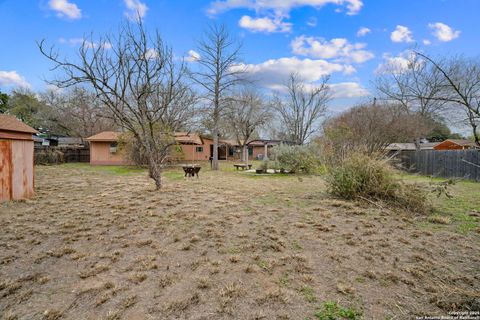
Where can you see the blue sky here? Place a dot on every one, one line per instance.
(349, 39)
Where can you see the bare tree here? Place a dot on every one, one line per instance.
(138, 79)
(246, 113)
(77, 112)
(219, 71)
(302, 108)
(460, 87)
(414, 87)
(371, 128)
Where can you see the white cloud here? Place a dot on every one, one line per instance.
(363, 31)
(443, 32)
(54, 88)
(274, 72)
(281, 6)
(426, 42)
(193, 56)
(135, 9)
(151, 53)
(65, 9)
(401, 34)
(267, 25)
(348, 90)
(12, 79)
(341, 90)
(396, 64)
(338, 48)
(87, 43)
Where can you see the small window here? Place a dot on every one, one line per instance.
(250, 151)
(113, 147)
(199, 149)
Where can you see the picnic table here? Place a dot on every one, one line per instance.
(191, 170)
(243, 166)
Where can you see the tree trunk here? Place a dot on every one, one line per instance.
(475, 134)
(154, 168)
(417, 144)
(155, 172)
(244, 153)
(215, 150)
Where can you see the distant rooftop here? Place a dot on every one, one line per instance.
(188, 138)
(105, 136)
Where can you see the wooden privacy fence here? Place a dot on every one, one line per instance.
(446, 164)
(55, 155)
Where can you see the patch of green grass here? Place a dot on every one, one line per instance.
(116, 170)
(263, 264)
(308, 293)
(296, 246)
(330, 310)
(457, 209)
(466, 227)
(175, 175)
(284, 280)
(360, 279)
(253, 175)
(234, 250)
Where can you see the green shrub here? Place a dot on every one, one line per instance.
(264, 166)
(294, 159)
(330, 310)
(360, 176)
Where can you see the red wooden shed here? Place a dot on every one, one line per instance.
(16, 159)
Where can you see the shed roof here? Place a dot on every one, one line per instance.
(462, 142)
(10, 123)
(105, 136)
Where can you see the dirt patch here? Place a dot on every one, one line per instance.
(99, 245)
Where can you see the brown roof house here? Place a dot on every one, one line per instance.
(104, 149)
(456, 144)
(192, 147)
(16, 159)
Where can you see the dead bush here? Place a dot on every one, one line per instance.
(365, 177)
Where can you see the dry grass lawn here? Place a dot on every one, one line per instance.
(98, 243)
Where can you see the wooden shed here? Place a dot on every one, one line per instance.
(455, 144)
(16, 159)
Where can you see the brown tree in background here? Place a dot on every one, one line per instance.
(219, 70)
(436, 88)
(77, 113)
(246, 112)
(371, 128)
(138, 79)
(415, 87)
(460, 87)
(301, 108)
